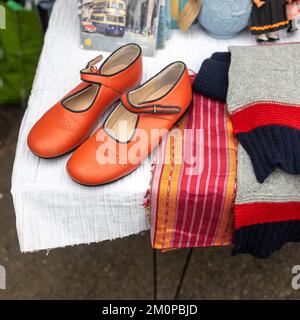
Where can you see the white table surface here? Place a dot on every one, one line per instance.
(53, 211)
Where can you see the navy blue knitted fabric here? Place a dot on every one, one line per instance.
(270, 147)
(222, 57)
(212, 78)
(261, 240)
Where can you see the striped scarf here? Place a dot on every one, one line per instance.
(193, 180)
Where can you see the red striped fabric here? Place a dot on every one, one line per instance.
(191, 205)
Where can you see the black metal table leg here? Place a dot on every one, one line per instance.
(154, 275)
(187, 261)
(182, 277)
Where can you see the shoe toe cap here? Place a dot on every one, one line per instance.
(51, 142)
(40, 144)
(86, 168)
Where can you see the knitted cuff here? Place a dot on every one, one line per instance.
(261, 240)
(271, 147)
(270, 133)
(212, 78)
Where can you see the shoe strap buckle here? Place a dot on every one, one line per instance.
(150, 108)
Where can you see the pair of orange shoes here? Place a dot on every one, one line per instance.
(139, 117)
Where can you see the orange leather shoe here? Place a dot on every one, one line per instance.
(70, 121)
(133, 129)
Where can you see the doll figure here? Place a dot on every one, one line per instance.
(293, 12)
(268, 17)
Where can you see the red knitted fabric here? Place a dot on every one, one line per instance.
(265, 114)
(264, 212)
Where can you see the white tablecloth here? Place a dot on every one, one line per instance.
(52, 210)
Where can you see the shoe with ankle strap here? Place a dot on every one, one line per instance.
(70, 121)
(134, 128)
